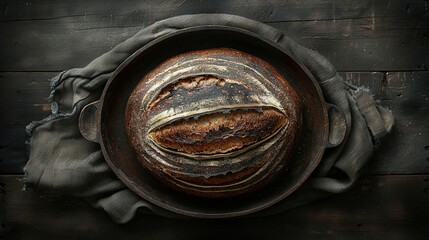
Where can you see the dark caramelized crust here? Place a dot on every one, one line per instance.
(214, 123)
(219, 132)
(189, 85)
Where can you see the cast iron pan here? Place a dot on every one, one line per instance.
(103, 122)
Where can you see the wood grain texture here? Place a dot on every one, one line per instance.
(24, 99)
(356, 35)
(406, 94)
(383, 45)
(13, 150)
(391, 207)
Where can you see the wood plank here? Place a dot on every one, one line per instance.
(23, 98)
(367, 44)
(13, 150)
(389, 207)
(264, 11)
(357, 36)
(406, 150)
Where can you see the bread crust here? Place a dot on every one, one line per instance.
(214, 123)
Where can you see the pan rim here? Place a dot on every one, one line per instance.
(154, 200)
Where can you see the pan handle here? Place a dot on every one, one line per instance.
(89, 122)
(337, 126)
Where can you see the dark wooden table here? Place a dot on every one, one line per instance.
(382, 44)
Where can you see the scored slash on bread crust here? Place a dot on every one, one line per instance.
(214, 123)
(219, 132)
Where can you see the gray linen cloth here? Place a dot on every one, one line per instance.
(61, 159)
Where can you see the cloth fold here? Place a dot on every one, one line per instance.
(61, 159)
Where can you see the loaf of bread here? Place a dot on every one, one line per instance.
(214, 123)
